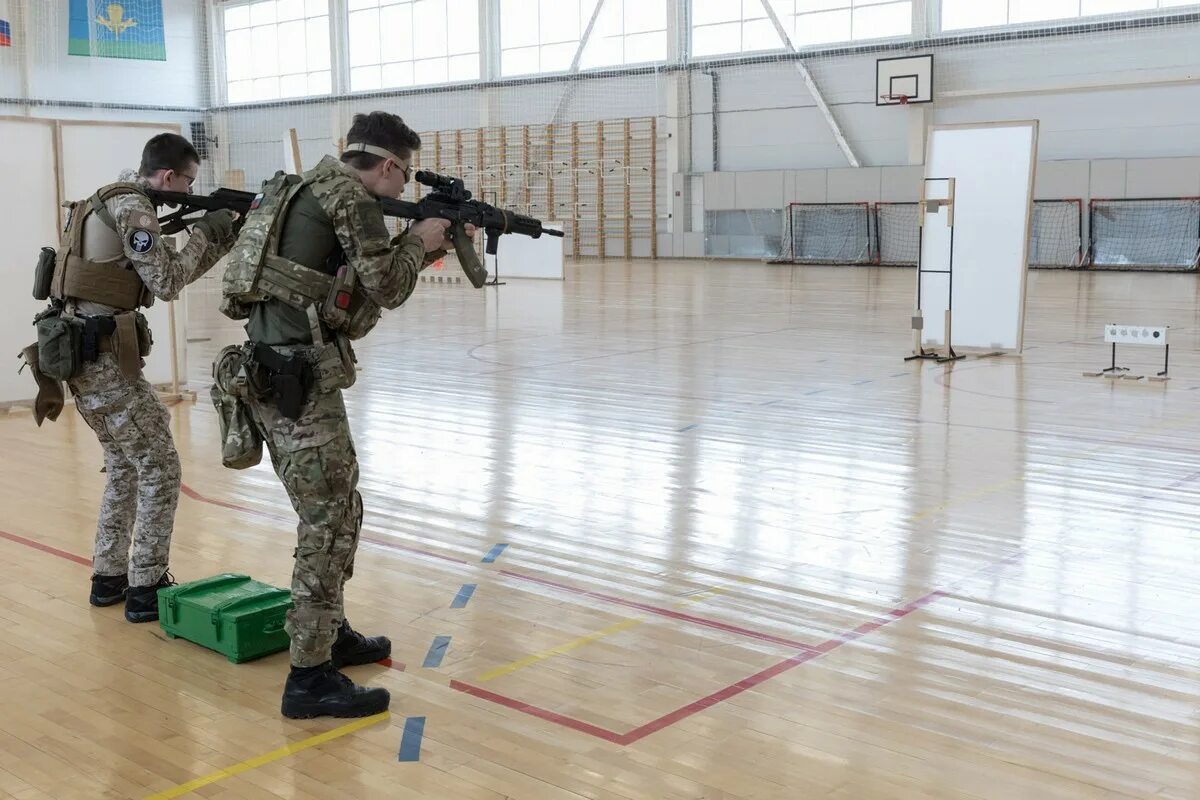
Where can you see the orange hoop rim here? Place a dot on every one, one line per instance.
(903, 98)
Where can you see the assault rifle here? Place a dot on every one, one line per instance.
(233, 200)
(449, 200)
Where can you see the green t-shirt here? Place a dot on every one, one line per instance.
(308, 239)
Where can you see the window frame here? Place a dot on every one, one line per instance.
(218, 62)
(938, 16)
(345, 49)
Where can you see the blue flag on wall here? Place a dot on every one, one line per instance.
(130, 29)
(5, 33)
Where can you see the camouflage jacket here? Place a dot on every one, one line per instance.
(332, 220)
(164, 270)
(387, 271)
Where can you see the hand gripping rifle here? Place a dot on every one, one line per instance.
(233, 200)
(451, 201)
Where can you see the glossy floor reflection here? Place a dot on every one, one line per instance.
(751, 553)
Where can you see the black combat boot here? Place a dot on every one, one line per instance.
(322, 691)
(141, 603)
(352, 648)
(108, 590)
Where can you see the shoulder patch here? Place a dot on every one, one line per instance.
(144, 221)
(141, 240)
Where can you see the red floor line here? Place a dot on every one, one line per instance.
(192, 493)
(409, 549)
(651, 609)
(45, 548)
(550, 716)
(681, 713)
(721, 695)
(87, 562)
(665, 612)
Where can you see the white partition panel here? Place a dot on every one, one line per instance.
(92, 155)
(993, 165)
(523, 257)
(26, 226)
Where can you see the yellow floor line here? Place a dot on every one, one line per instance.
(267, 758)
(557, 650)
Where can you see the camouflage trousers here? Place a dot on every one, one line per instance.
(137, 511)
(314, 457)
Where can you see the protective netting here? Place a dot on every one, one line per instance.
(827, 233)
(743, 234)
(1056, 236)
(897, 241)
(1145, 234)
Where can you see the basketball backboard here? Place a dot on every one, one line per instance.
(904, 80)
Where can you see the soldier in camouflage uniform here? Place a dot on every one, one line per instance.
(330, 224)
(137, 512)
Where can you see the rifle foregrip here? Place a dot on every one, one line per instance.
(468, 259)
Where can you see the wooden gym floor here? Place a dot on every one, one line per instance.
(668, 531)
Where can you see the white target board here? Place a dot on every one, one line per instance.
(977, 268)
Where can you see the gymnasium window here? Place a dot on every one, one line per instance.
(400, 43)
(627, 32)
(276, 49)
(962, 14)
(539, 36)
(738, 26)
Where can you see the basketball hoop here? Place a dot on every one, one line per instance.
(902, 99)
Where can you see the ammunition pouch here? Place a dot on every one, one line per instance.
(59, 345)
(241, 442)
(66, 343)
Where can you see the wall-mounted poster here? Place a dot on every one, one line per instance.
(131, 29)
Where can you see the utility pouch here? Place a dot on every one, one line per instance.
(241, 443)
(59, 346)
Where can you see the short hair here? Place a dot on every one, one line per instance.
(167, 151)
(381, 129)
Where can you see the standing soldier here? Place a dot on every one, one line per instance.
(312, 269)
(111, 262)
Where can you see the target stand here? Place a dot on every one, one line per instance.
(1115, 334)
(934, 205)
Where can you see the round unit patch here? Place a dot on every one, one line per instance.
(141, 241)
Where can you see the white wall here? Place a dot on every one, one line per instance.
(27, 159)
(1095, 97)
(41, 37)
(1101, 98)
(38, 78)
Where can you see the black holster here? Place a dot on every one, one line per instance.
(290, 379)
(93, 329)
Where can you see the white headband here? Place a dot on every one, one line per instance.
(375, 151)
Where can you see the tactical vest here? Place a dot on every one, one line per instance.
(255, 271)
(91, 264)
